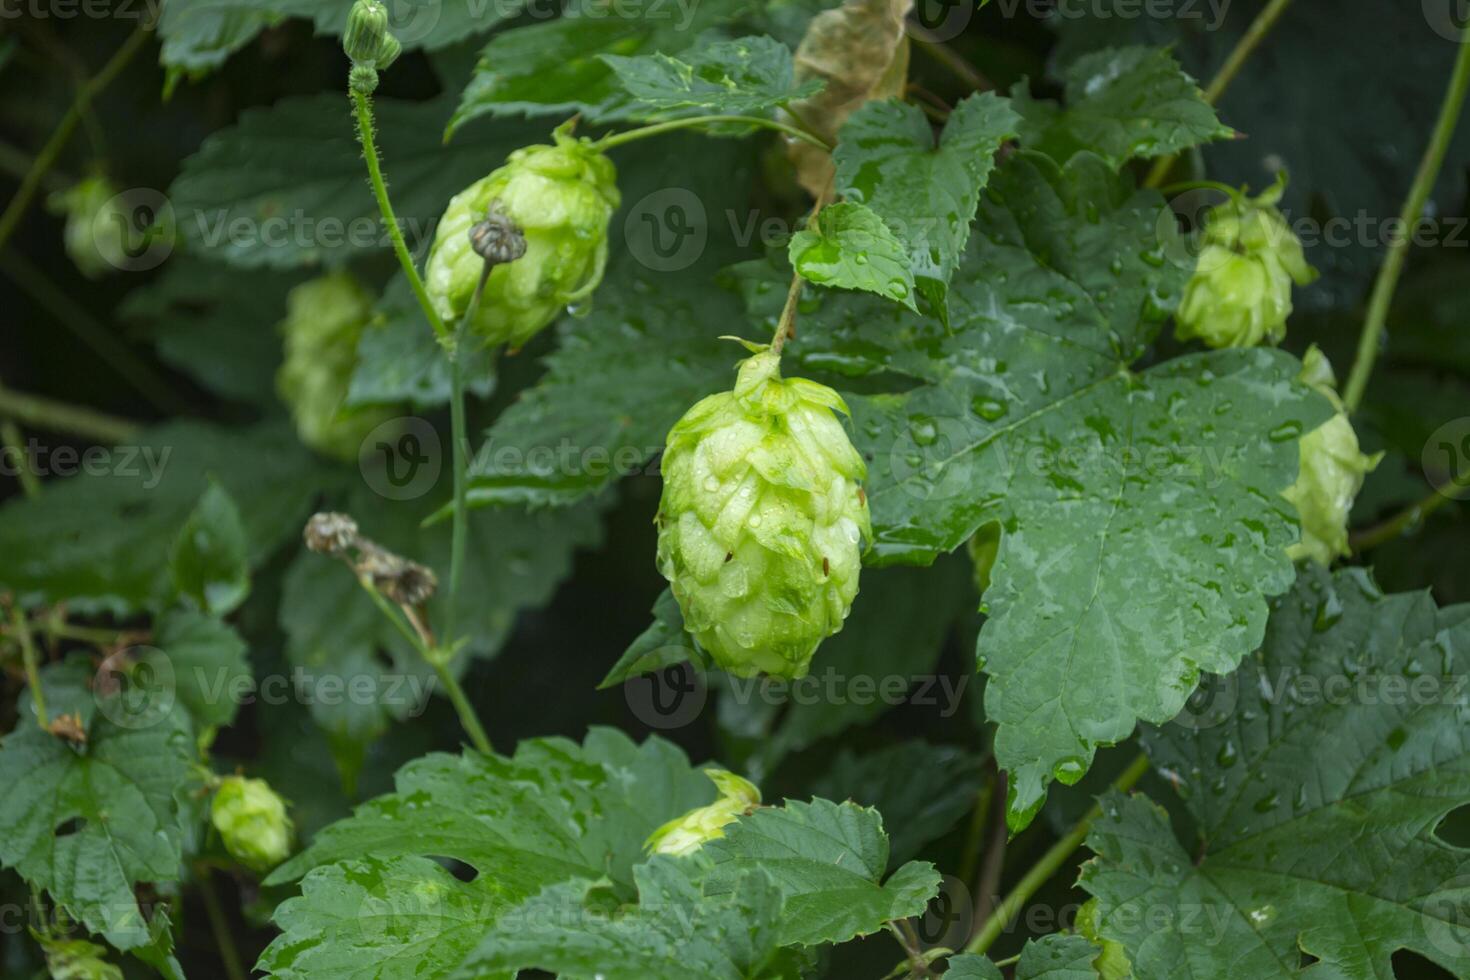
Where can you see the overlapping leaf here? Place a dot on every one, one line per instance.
(210, 562)
(1052, 957)
(1120, 104)
(737, 77)
(1316, 801)
(851, 248)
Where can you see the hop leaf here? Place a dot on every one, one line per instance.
(561, 198)
(686, 834)
(252, 821)
(1332, 472)
(77, 959)
(324, 321)
(1240, 293)
(762, 520)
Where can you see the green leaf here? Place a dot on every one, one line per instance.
(680, 928)
(87, 824)
(200, 35)
(921, 789)
(557, 66)
(1052, 957)
(851, 248)
(829, 860)
(210, 563)
(285, 186)
(737, 77)
(398, 918)
(663, 644)
(1316, 801)
(399, 360)
(207, 661)
(887, 159)
(1121, 103)
(101, 541)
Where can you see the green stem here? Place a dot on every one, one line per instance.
(223, 939)
(642, 132)
(396, 617)
(1398, 249)
(459, 535)
(36, 412)
(14, 441)
(468, 720)
(941, 53)
(1234, 61)
(1372, 537)
(32, 665)
(64, 129)
(1047, 866)
(1008, 961)
(366, 135)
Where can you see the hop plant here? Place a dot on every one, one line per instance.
(96, 228)
(561, 197)
(763, 519)
(1331, 474)
(324, 321)
(1240, 293)
(687, 834)
(1112, 963)
(252, 821)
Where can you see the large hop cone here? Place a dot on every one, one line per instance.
(763, 520)
(561, 198)
(1240, 293)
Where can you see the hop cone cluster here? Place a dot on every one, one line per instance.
(252, 822)
(561, 198)
(1240, 293)
(1331, 474)
(763, 519)
(324, 321)
(687, 834)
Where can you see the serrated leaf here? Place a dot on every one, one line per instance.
(1316, 800)
(101, 541)
(1121, 103)
(737, 77)
(1028, 415)
(829, 861)
(680, 928)
(557, 65)
(663, 644)
(206, 658)
(88, 824)
(887, 159)
(399, 918)
(1052, 957)
(399, 360)
(851, 248)
(285, 186)
(210, 563)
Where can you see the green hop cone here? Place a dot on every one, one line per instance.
(1240, 293)
(561, 197)
(324, 321)
(252, 821)
(686, 834)
(763, 520)
(1112, 963)
(96, 229)
(1331, 473)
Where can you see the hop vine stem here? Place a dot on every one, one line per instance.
(643, 132)
(32, 664)
(1381, 298)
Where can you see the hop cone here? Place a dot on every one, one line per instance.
(561, 197)
(252, 822)
(1240, 293)
(687, 834)
(762, 520)
(95, 235)
(324, 321)
(1331, 473)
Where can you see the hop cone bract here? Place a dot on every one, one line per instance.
(252, 822)
(687, 834)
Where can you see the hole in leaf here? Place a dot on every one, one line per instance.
(1454, 829)
(1409, 965)
(1306, 959)
(68, 827)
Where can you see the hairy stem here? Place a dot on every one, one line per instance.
(32, 665)
(1398, 249)
(1047, 866)
(786, 323)
(45, 413)
(642, 132)
(80, 105)
(366, 134)
(1243, 49)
